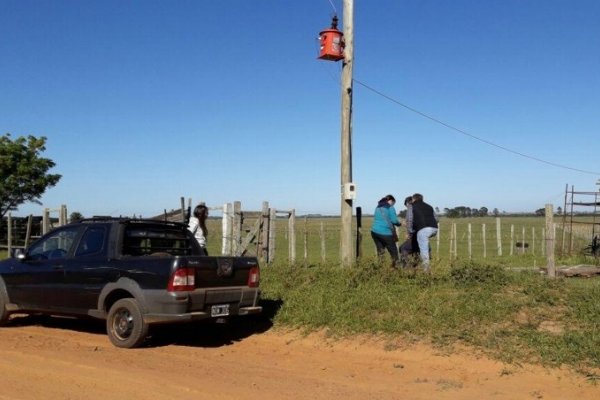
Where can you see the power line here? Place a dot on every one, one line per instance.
(471, 135)
(332, 6)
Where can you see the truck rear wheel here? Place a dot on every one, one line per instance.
(125, 325)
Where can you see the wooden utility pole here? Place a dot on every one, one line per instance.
(346, 248)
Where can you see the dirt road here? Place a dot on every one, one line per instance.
(67, 359)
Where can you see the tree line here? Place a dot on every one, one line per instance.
(466, 212)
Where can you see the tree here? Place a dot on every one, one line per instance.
(75, 216)
(23, 172)
(559, 210)
(540, 212)
(496, 212)
(453, 213)
(483, 212)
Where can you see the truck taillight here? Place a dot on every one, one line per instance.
(182, 280)
(254, 276)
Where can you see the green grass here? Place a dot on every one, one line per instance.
(512, 316)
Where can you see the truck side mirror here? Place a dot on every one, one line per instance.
(19, 254)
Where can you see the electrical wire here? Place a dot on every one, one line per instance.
(471, 135)
(332, 6)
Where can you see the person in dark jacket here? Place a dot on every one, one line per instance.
(410, 246)
(383, 230)
(425, 225)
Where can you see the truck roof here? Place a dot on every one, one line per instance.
(126, 220)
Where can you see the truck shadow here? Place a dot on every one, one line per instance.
(211, 334)
(195, 334)
(85, 325)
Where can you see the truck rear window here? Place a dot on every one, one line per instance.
(141, 241)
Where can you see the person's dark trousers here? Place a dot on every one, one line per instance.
(409, 248)
(383, 242)
(405, 252)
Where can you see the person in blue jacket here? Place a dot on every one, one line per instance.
(383, 230)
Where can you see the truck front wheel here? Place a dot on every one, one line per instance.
(125, 325)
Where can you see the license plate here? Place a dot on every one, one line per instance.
(219, 310)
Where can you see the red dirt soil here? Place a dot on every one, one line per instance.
(54, 358)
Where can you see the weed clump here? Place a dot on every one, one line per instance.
(472, 274)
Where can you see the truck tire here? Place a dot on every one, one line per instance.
(4, 315)
(125, 325)
(3, 300)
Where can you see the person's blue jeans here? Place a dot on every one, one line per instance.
(423, 239)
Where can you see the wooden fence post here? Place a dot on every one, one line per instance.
(455, 241)
(451, 247)
(359, 237)
(227, 225)
(62, 215)
(237, 227)
(550, 234)
(46, 221)
(512, 239)
(292, 236)
(323, 251)
(305, 239)
(264, 234)
(28, 232)
(571, 239)
(182, 209)
(272, 220)
(564, 231)
(499, 236)
(484, 241)
(469, 244)
(523, 240)
(533, 240)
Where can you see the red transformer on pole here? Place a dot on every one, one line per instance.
(331, 43)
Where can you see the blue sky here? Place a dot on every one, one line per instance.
(143, 102)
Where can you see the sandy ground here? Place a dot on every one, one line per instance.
(55, 358)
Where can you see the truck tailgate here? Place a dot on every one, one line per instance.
(222, 271)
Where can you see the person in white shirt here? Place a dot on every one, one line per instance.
(197, 226)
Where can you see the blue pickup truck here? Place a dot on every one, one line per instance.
(132, 273)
